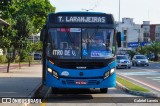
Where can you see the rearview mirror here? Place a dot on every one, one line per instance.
(118, 36)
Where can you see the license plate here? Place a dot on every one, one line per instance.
(80, 82)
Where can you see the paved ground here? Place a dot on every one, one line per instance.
(3, 67)
(20, 82)
(23, 82)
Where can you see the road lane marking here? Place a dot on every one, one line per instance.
(151, 86)
(43, 104)
(140, 73)
(7, 92)
(156, 79)
(146, 69)
(152, 77)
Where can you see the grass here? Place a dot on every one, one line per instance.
(130, 85)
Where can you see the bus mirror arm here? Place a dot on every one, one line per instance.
(118, 36)
(43, 33)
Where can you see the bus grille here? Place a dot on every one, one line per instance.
(74, 65)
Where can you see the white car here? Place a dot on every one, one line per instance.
(123, 61)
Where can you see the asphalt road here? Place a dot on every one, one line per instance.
(86, 96)
(147, 76)
(92, 97)
(114, 97)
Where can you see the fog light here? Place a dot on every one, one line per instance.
(106, 75)
(55, 73)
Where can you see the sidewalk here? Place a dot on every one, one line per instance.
(20, 82)
(3, 67)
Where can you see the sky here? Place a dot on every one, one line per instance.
(139, 10)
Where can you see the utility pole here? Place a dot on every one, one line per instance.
(139, 38)
(119, 10)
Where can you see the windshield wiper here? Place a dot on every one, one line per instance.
(70, 37)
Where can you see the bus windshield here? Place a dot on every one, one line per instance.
(80, 43)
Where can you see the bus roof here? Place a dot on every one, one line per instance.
(79, 12)
(80, 19)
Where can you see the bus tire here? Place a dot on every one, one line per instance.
(104, 90)
(54, 90)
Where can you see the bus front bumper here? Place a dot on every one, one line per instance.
(81, 83)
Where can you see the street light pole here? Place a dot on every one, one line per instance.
(119, 10)
(139, 37)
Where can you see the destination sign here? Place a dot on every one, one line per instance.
(81, 19)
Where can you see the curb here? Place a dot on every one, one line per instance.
(42, 92)
(36, 90)
(137, 93)
(153, 61)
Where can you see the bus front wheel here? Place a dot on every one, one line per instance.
(104, 90)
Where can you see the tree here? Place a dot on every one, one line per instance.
(27, 17)
(143, 50)
(155, 48)
(30, 18)
(37, 46)
(6, 42)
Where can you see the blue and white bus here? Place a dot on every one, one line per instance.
(79, 50)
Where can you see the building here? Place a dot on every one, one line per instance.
(34, 38)
(131, 33)
(151, 32)
(155, 32)
(146, 31)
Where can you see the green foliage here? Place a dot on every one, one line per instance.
(143, 50)
(130, 85)
(153, 48)
(26, 17)
(3, 59)
(37, 46)
(23, 55)
(28, 58)
(8, 34)
(131, 53)
(16, 59)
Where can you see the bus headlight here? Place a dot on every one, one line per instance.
(52, 72)
(109, 73)
(112, 71)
